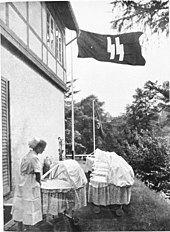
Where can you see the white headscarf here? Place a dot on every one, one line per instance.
(34, 142)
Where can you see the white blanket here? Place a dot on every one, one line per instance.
(55, 184)
(120, 172)
(66, 174)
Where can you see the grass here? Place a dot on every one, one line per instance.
(148, 211)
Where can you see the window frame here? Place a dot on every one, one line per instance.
(50, 28)
(59, 45)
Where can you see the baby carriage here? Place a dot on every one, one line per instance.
(63, 190)
(110, 183)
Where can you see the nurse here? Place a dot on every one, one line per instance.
(27, 208)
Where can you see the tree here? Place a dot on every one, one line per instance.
(148, 150)
(143, 113)
(161, 93)
(84, 122)
(69, 90)
(114, 129)
(152, 15)
(130, 135)
(150, 160)
(68, 120)
(83, 125)
(150, 109)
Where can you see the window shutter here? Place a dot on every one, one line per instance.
(5, 136)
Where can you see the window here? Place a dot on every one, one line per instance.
(59, 46)
(55, 39)
(6, 168)
(50, 32)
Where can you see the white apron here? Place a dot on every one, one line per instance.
(27, 199)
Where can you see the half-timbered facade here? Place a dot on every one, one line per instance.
(33, 79)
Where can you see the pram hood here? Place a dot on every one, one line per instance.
(64, 174)
(119, 172)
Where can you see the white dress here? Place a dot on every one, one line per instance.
(27, 199)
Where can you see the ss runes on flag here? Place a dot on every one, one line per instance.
(120, 49)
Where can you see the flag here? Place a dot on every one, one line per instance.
(121, 49)
(99, 125)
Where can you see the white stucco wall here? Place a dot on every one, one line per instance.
(36, 109)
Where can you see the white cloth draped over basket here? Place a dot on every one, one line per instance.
(111, 179)
(109, 195)
(89, 163)
(64, 189)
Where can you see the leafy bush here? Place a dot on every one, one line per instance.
(150, 159)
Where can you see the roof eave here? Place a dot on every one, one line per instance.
(66, 14)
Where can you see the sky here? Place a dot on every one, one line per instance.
(113, 84)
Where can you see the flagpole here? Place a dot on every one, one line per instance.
(72, 102)
(71, 41)
(94, 144)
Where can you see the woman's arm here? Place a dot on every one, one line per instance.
(37, 169)
(38, 177)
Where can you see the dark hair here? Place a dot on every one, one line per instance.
(41, 143)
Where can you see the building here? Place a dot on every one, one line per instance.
(33, 79)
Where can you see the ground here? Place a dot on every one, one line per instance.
(89, 221)
(147, 211)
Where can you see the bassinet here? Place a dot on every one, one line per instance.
(63, 188)
(110, 181)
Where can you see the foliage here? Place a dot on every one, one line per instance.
(152, 15)
(143, 113)
(69, 89)
(135, 136)
(83, 115)
(149, 104)
(115, 139)
(148, 155)
(149, 158)
(161, 94)
(139, 136)
(147, 152)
